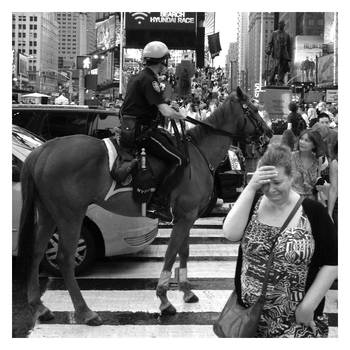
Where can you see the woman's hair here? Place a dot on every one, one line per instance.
(316, 139)
(288, 139)
(278, 156)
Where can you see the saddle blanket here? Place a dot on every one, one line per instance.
(110, 144)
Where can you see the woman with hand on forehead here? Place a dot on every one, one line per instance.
(304, 257)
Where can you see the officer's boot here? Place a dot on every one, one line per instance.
(160, 202)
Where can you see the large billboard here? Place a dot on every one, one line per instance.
(182, 21)
(108, 33)
(327, 72)
(178, 30)
(307, 47)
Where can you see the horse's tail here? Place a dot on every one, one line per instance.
(27, 220)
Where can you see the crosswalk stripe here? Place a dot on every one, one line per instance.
(196, 250)
(122, 291)
(131, 331)
(146, 300)
(147, 284)
(195, 232)
(152, 269)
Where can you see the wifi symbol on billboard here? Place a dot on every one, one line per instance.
(139, 16)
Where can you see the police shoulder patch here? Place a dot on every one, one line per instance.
(156, 86)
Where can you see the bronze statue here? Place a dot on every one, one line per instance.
(280, 49)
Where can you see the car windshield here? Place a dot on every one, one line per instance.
(26, 138)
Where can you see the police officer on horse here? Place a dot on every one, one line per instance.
(143, 109)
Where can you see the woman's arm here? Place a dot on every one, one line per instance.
(333, 189)
(304, 313)
(237, 218)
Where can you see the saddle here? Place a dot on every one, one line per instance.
(131, 168)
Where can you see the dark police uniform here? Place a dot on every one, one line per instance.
(142, 98)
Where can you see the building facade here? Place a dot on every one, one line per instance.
(242, 40)
(35, 39)
(77, 36)
(257, 63)
(232, 62)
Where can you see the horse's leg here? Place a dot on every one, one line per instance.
(181, 273)
(69, 233)
(179, 232)
(45, 228)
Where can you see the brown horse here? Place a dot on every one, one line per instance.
(61, 178)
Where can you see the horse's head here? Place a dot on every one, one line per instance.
(252, 125)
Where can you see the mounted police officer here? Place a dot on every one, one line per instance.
(141, 113)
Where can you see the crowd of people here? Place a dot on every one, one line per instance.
(312, 142)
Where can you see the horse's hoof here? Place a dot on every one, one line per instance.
(47, 315)
(168, 311)
(94, 321)
(191, 298)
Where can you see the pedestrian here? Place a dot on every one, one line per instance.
(311, 115)
(288, 139)
(329, 136)
(330, 190)
(332, 202)
(301, 111)
(143, 101)
(307, 162)
(304, 263)
(295, 121)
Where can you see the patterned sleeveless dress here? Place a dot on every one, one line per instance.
(304, 180)
(287, 278)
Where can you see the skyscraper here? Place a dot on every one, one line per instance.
(35, 36)
(242, 40)
(257, 59)
(77, 36)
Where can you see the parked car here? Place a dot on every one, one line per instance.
(103, 233)
(50, 121)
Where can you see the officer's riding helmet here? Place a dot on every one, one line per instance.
(155, 52)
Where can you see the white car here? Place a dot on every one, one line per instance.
(103, 233)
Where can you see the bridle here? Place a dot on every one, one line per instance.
(249, 114)
(260, 138)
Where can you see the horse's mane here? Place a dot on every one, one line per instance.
(199, 131)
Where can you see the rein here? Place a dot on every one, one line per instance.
(219, 131)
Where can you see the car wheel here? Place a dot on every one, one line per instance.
(210, 205)
(85, 255)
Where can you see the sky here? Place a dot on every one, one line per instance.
(226, 25)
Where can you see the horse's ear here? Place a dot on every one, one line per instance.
(240, 94)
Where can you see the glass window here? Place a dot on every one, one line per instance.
(104, 125)
(26, 119)
(63, 123)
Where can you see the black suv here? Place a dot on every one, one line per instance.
(51, 121)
